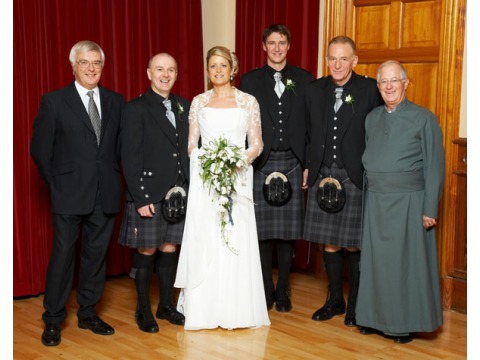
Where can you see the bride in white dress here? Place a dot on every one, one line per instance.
(221, 287)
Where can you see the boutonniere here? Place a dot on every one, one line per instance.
(180, 109)
(349, 100)
(290, 85)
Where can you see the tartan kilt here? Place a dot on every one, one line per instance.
(142, 232)
(342, 228)
(280, 222)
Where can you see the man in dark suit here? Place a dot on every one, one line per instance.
(74, 146)
(154, 137)
(280, 90)
(337, 106)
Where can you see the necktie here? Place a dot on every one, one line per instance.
(94, 116)
(170, 114)
(279, 85)
(338, 100)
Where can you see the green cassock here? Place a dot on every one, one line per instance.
(404, 165)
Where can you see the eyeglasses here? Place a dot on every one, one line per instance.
(97, 64)
(392, 82)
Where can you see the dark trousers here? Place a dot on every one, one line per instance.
(96, 230)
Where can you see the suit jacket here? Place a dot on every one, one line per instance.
(256, 83)
(320, 98)
(151, 149)
(64, 148)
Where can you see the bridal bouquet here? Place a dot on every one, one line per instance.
(220, 162)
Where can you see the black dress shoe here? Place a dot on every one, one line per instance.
(97, 325)
(282, 302)
(368, 331)
(329, 310)
(404, 339)
(271, 300)
(146, 322)
(171, 314)
(350, 319)
(51, 335)
(283, 305)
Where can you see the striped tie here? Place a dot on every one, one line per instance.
(94, 116)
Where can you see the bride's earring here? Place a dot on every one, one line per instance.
(231, 78)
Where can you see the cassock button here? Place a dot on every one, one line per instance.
(147, 196)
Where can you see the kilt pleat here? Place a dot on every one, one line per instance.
(341, 228)
(141, 232)
(280, 222)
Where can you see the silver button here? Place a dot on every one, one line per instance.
(281, 121)
(334, 156)
(281, 130)
(335, 118)
(281, 139)
(334, 146)
(334, 128)
(141, 179)
(334, 138)
(149, 173)
(141, 187)
(174, 154)
(147, 196)
(279, 103)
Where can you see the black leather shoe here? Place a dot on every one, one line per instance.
(51, 335)
(271, 300)
(368, 331)
(329, 310)
(146, 322)
(350, 315)
(97, 325)
(171, 314)
(402, 339)
(283, 303)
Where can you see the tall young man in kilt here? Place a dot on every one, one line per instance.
(155, 161)
(280, 90)
(337, 106)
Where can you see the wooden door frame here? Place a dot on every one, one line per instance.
(339, 20)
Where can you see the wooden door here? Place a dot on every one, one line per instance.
(427, 36)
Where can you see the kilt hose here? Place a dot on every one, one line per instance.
(280, 222)
(142, 232)
(342, 228)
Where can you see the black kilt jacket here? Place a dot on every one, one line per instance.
(319, 98)
(256, 83)
(150, 148)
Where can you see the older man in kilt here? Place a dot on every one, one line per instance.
(337, 106)
(156, 166)
(280, 90)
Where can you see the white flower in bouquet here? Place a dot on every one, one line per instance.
(219, 164)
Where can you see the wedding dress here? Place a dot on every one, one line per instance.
(221, 287)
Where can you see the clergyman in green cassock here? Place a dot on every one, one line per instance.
(404, 165)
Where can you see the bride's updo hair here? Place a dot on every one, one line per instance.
(227, 54)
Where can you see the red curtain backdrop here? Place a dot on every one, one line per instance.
(302, 18)
(130, 32)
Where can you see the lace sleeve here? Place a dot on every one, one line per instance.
(254, 132)
(193, 126)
